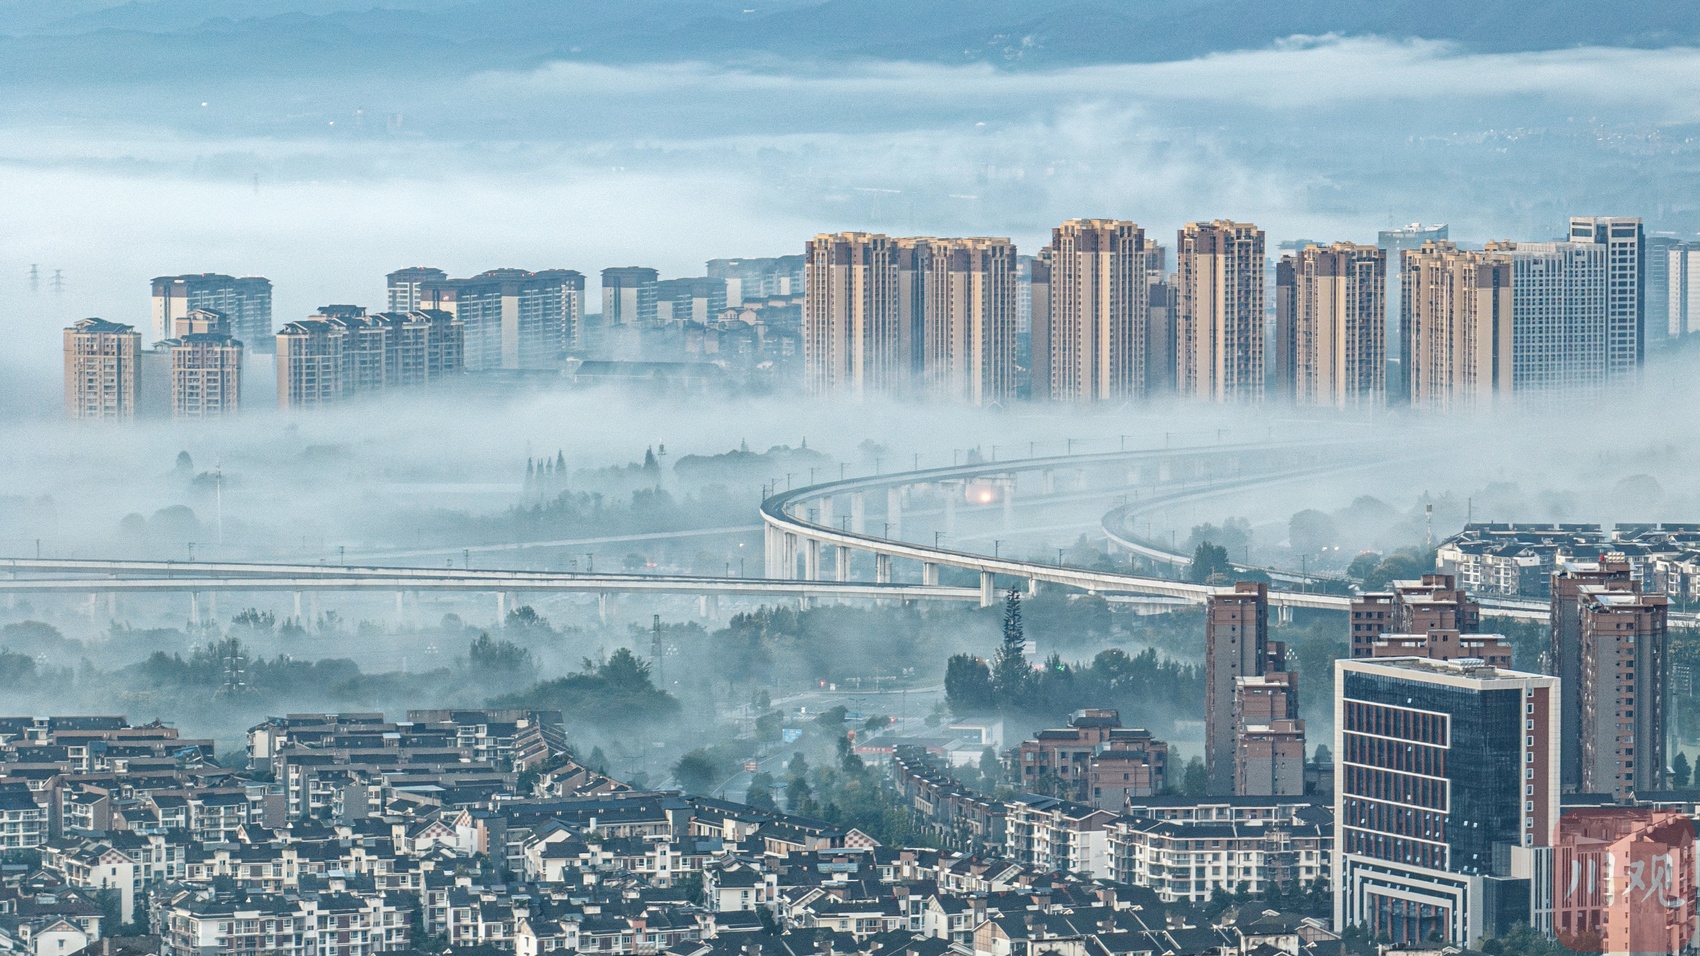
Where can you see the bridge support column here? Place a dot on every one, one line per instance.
(858, 513)
(827, 516)
(702, 605)
(1050, 481)
(1032, 586)
(602, 606)
(501, 607)
(788, 557)
(894, 512)
(841, 562)
(1284, 613)
(811, 560)
(930, 574)
(882, 568)
(298, 607)
(770, 551)
(212, 607)
(988, 589)
(194, 609)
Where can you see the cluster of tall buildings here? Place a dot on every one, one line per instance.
(1099, 314)
(910, 315)
(1415, 317)
(1254, 741)
(343, 351)
(509, 318)
(938, 317)
(201, 326)
(195, 374)
(1457, 780)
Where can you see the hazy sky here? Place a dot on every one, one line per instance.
(324, 185)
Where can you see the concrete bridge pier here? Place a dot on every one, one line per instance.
(770, 551)
(858, 513)
(1049, 485)
(988, 589)
(882, 568)
(602, 606)
(827, 515)
(930, 574)
(1006, 488)
(894, 512)
(194, 609)
(811, 560)
(298, 607)
(841, 562)
(1032, 586)
(501, 607)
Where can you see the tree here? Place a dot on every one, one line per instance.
(770, 726)
(968, 685)
(991, 769)
(1401, 565)
(185, 464)
(1363, 565)
(1311, 530)
(1013, 682)
(650, 465)
(1196, 781)
(1681, 771)
(760, 794)
(1208, 560)
(525, 619)
(499, 660)
(697, 772)
(799, 796)
(255, 620)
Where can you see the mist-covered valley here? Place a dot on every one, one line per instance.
(356, 141)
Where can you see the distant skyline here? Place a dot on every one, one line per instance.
(324, 180)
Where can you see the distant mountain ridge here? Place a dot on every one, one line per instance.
(88, 39)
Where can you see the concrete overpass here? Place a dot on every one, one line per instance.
(796, 546)
(791, 539)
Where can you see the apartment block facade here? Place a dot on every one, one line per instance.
(1331, 326)
(343, 352)
(1219, 300)
(1625, 252)
(102, 370)
(206, 366)
(1090, 310)
(1624, 676)
(1236, 636)
(1456, 327)
(246, 303)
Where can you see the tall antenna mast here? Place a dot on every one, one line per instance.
(657, 652)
